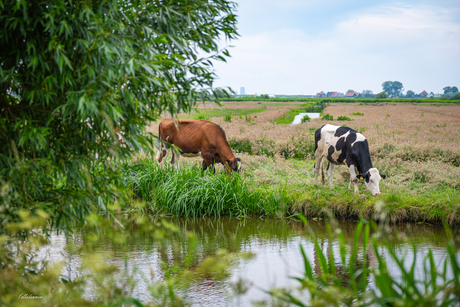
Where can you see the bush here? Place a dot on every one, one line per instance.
(455, 97)
(248, 118)
(381, 95)
(327, 117)
(357, 113)
(344, 118)
(305, 119)
(202, 116)
(241, 146)
(228, 118)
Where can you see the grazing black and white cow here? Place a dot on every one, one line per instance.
(343, 145)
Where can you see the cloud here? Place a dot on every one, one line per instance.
(415, 44)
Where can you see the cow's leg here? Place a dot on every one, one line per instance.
(208, 161)
(353, 179)
(162, 153)
(330, 169)
(205, 165)
(175, 160)
(318, 165)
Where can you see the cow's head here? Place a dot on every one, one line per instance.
(233, 165)
(372, 180)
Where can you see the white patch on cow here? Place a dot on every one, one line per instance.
(239, 165)
(191, 155)
(359, 138)
(167, 138)
(374, 181)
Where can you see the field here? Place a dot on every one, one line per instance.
(416, 145)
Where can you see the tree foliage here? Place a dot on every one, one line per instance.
(381, 95)
(72, 72)
(393, 88)
(367, 94)
(450, 91)
(410, 94)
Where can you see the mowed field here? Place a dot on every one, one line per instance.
(417, 146)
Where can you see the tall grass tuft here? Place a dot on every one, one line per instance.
(192, 192)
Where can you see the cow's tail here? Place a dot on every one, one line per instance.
(321, 165)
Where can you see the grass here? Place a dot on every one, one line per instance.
(224, 112)
(288, 117)
(420, 156)
(192, 192)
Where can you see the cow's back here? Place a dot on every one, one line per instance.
(323, 137)
(191, 135)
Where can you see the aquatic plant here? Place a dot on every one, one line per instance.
(343, 280)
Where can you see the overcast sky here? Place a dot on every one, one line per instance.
(306, 46)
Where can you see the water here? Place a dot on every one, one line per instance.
(298, 118)
(274, 242)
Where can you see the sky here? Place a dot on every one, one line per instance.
(301, 47)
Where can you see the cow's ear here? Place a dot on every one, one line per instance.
(383, 176)
(361, 176)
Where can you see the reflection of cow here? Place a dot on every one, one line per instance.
(195, 138)
(343, 145)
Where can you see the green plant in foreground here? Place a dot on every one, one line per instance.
(343, 280)
(228, 118)
(357, 113)
(74, 73)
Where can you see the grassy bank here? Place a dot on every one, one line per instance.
(274, 186)
(416, 146)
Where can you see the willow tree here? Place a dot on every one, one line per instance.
(74, 71)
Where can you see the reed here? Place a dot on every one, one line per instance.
(344, 279)
(192, 192)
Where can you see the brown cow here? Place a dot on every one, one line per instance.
(195, 138)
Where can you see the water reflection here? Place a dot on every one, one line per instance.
(274, 242)
(298, 118)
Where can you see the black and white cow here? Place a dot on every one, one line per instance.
(343, 145)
